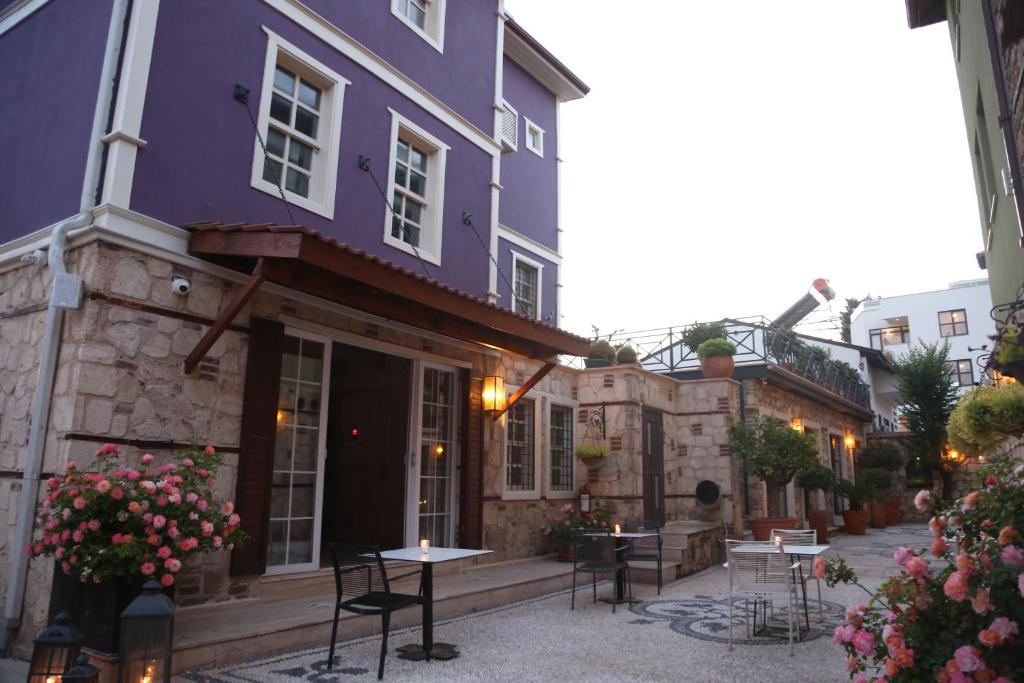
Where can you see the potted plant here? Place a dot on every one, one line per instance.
(819, 478)
(1009, 352)
(716, 358)
(774, 453)
(600, 355)
(625, 355)
(569, 520)
(986, 418)
(858, 494)
(888, 457)
(878, 482)
(592, 454)
(698, 333)
(112, 526)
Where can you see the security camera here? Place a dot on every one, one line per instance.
(180, 286)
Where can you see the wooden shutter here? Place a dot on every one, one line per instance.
(256, 444)
(471, 512)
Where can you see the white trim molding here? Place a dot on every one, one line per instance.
(531, 127)
(17, 12)
(376, 65)
(323, 177)
(432, 30)
(124, 136)
(522, 241)
(432, 225)
(539, 267)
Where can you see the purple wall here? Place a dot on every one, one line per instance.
(198, 160)
(50, 77)
(548, 284)
(529, 200)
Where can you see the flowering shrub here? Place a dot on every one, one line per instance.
(953, 612)
(569, 519)
(116, 521)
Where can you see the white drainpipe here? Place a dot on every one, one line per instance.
(39, 417)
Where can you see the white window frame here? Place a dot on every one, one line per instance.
(431, 228)
(530, 125)
(549, 492)
(539, 409)
(516, 258)
(324, 172)
(433, 31)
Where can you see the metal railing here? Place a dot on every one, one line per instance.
(663, 351)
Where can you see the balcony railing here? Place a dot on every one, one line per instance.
(663, 351)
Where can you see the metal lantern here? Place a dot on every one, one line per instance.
(493, 396)
(55, 650)
(82, 672)
(147, 626)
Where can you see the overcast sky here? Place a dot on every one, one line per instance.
(730, 152)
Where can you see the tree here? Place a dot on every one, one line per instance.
(928, 396)
(774, 453)
(845, 317)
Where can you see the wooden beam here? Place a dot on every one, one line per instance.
(246, 244)
(529, 384)
(225, 317)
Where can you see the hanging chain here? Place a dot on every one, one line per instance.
(242, 95)
(364, 163)
(467, 219)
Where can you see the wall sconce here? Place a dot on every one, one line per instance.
(797, 424)
(494, 394)
(849, 441)
(951, 455)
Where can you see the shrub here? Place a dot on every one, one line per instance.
(882, 455)
(1009, 345)
(625, 354)
(601, 348)
(716, 347)
(952, 612)
(819, 478)
(698, 333)
(986, 417)
(857, 493)
(877, 480)
(774, 453)
(569, 520)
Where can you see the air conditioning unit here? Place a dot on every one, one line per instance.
(509, 128)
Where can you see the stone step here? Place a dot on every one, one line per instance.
(290, 617)
(643, 571)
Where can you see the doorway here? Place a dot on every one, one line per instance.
(653, 466)
(367, 447)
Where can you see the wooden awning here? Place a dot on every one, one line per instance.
(303, 259)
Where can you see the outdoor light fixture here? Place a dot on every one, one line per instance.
(82, 672)
(147, 626)
(494, 394)
(797, 424)
(951, 455)
(849, 441)
(55, 651)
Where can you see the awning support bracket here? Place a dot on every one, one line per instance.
(225, 317)
(527, 385)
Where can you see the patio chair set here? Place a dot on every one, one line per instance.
(604, 553)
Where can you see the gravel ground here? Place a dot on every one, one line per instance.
(678, 636)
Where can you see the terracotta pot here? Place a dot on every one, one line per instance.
(567, 553)
(762, 527)
(893, 512)
(717, 367)
(877, 515)
(818, 520)
(856, 521)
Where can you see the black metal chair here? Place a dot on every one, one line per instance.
(362, 587)
(646, 549)
(597, 553)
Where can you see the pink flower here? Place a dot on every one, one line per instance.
(1011, 555)
(980, 602)
(922, 500)
(147, 568)
(148, 486)
(164, 552)
(134, 507)
(116, 539)
(233, 520)
(1005, 628)
(852, 663)
(147, 458)
(863, 641)
(134, 475)
(161, 500)
(71, 466)
(167, 580)
(970, 501)
(940, 547)
(94, 525)
(193, 516)
(843, 634)
(819, 568)
(902, 554)
(228, 507)
(916, 567)
(103, 486)
(59, 553)
(207, 528)
(855, 615)
(202, 505)
(154, 539)
(209, 450)
(188, 462)
(174, 499)
(172, 564)
(173, 532)
(936, 526)
(80, 503)
(148, 518)
(159, 521)
(107, 449)
(217, 541)
(117, 493)
(78, 536)
(963, 563)
(1006, 535)
(860, 678)
(968, 658)
(955, 587)
(191, 497)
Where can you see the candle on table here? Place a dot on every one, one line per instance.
(425, 545)
(618, 530)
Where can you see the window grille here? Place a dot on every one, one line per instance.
(509, 128)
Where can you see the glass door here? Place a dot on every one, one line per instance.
(297, 484)
(437, 455)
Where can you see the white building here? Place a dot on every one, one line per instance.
(958, 315)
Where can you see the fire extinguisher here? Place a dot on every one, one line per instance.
(584, 500)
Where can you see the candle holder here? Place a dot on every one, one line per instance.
(424, 546)
(55, 650)
(147, 627)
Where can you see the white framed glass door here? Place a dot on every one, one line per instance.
(299, 450)
(436, 457)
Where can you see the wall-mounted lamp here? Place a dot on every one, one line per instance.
(951, 455)
(849, 441)
(494, 394)
(797, 424)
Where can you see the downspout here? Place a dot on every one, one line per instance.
(39, 417)
(1005, 118)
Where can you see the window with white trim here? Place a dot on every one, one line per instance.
(416, 190)
(424, 17)
(534, 137)
(521, 446)
(561, 468)
(526, 278)
(300, 124)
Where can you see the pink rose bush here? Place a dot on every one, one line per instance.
(953, 612)
(564, 523)
(101, 523)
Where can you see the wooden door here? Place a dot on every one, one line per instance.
(653, 466)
